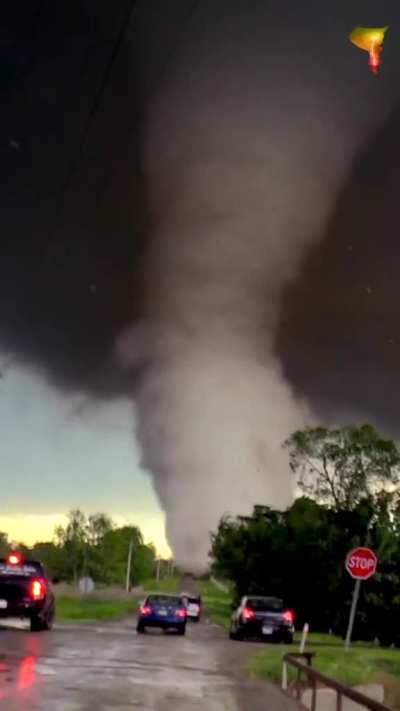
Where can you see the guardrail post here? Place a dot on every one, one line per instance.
(339, 701)
(298, 684)
(284, 676)
(314, 696)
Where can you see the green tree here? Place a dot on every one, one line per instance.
(341, 467)
(115, 549)
(73, 542)
(92, 545)
(52, 557)
(4, 544)
(299, 555)
(97, 526)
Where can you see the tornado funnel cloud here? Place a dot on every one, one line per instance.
(240, 184)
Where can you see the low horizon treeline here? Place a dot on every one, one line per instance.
(349, 479)
(92, 546)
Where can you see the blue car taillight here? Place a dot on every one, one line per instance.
(145, 610)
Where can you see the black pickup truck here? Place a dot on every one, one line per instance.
(26, 592)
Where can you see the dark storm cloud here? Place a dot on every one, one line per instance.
(67, 267)
(69, 277)
(68, 272)
(340, 336)
(71, 191)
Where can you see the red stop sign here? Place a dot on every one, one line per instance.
(361, 563)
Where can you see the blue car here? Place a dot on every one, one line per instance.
(163, 611)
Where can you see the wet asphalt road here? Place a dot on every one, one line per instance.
(94, 668)
(108, 666)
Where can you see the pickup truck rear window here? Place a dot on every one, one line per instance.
(26, 570)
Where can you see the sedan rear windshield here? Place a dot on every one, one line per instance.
(265, 604)
(164, 600)
(194, 600)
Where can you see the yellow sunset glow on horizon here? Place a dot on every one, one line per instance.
(33, 528)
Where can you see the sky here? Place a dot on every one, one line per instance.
(61, 453)
(78, 208)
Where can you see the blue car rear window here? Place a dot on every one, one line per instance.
(164, 600)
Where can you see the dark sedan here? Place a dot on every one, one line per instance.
(262, 617)
(163, 611)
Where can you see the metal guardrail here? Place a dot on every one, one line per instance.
(315, 677)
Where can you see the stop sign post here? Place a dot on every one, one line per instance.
(360, 564)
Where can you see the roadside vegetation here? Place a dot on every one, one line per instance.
(87, 609)
(349, 479)
(363, 663)
(217, 602)
(107, 603)
(170, 584)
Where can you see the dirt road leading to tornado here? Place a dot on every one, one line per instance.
(96, 668)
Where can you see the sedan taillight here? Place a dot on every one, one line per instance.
(181, 612)
(248, 614)
(37, 589)
(145, 610)
(289, 616)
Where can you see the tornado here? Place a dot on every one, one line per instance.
(248, 140)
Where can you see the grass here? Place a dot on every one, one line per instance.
(217, 603)
(86, 609)
(106, 604)
(167, 585)
(357, 666)
(363, 663)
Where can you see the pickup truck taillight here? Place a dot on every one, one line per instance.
(37, 589)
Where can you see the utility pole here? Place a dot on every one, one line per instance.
(158, 569)
(128, 567)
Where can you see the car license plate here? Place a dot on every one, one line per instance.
(267, 630)
(163, 613)
(3, 604)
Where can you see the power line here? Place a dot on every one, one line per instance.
(107, 74)
(100, 91)
(174, 49)
(105, 78)
(105, 81)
